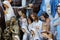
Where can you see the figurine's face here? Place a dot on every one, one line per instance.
(33, 17)
(42, 17)
(29, 21)
(20, 13)
(32, 32)
(10, 1)
(44, 35)
(6, 6)
(12, 19)
(58, 10)
(23, 30)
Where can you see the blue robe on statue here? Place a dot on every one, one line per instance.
(57, 27)
(53, 4)
(42, 8)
